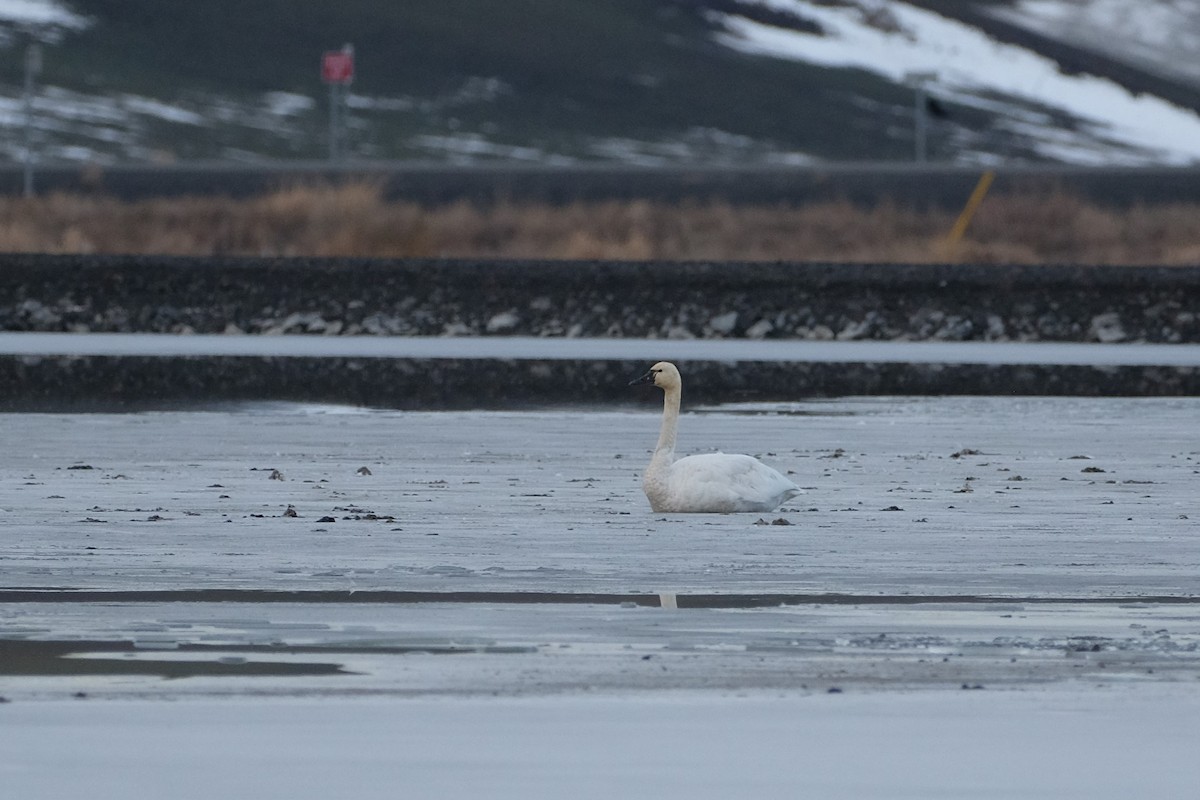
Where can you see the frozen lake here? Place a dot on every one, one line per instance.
(470, 602)
(1074, 744)
(1005, 498)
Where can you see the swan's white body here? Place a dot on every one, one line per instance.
(714, 482)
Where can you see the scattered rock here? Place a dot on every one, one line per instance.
(290, 512)
(822, 333)
(679, 332)
(298, 322)
(724, 323)
(996, 330)
(966, 451)
(1107, 328)
(1092, 469)
(362, 471)
(759, 329)
(327, 519)
(275, 475)
(854, 330)
(38, 316)
(955, 329)
(503, 322)
(382, 325)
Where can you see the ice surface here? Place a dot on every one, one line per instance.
(1060, 657)
(1005, 528)
(124, 650)
(551, 349)
(551, 501)
(1065, 745)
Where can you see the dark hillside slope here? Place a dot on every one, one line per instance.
(637, 82)
(555, 75)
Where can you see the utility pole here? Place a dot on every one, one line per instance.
(920, 81)
(33, 66)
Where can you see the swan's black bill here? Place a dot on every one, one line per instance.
(647, 378)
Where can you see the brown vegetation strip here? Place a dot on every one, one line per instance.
(356, 221)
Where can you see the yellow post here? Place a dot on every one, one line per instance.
(964, 219)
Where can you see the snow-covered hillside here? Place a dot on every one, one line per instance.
(1162, 37)
(897, 40)
(712, 87)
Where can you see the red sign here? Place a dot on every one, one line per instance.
(337, 66)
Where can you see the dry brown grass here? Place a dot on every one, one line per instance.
(355, 220)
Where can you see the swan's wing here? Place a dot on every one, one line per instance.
(728, 482)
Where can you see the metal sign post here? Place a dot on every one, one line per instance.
(33, 66)
(337, 70)
(920, 81)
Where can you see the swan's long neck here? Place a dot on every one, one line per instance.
(670, 421)
(656, 478)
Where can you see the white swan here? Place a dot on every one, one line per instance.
(714, 482)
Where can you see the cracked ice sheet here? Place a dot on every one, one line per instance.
(1065, 498)
(122, 650)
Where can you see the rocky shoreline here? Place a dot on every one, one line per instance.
(610, 299)
(337, 297)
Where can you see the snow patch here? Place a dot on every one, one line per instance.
(288, 104)
(467, 146)
(40, 12)
(164, 111)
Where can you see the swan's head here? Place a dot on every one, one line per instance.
(664, 375)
